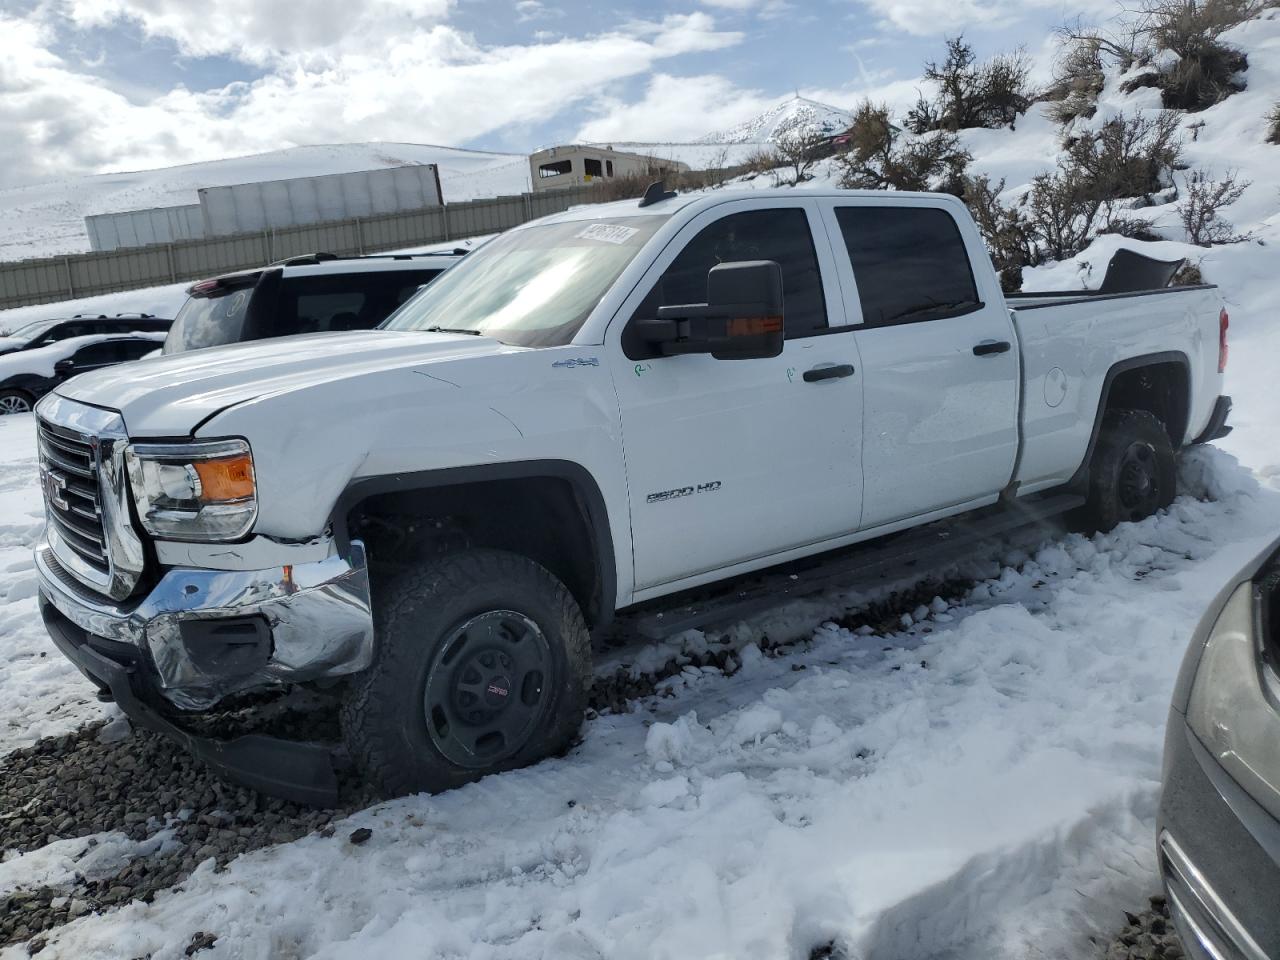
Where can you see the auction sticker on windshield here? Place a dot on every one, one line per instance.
(607, 232)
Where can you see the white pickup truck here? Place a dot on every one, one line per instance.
(594, 411)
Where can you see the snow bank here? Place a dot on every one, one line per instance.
(981, 784)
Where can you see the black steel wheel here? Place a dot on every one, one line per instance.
(1133, 473)
(482, 664)
(486, 688)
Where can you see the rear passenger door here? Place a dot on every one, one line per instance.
(940, 365)
(732, 461)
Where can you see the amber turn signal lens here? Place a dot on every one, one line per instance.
(753, 326)
(227, 479)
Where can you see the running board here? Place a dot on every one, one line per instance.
(938, 544)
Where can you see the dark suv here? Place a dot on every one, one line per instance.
(41, 333)
(311, 294)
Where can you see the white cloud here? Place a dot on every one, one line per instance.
(428, 84)
(527, 10)
(674, 109)
(931, 18)
(260, 31)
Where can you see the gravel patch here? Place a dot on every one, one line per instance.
(1149, 935)
(149, 788)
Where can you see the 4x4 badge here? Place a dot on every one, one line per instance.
(578, 362)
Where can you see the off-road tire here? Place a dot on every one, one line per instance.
(384, 718)
(1132, 444)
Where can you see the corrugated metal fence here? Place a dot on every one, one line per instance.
(88, 274)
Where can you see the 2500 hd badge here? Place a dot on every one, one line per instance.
(665, 495)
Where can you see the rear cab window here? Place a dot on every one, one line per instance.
(910, 264)
(210, 319)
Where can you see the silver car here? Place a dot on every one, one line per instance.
(1219, 821)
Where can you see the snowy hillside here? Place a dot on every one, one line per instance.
(47, 218)
(796, 113)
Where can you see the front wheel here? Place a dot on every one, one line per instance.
(14, 401)
(483, 664)
(1133, 472)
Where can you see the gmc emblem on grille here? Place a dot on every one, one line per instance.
(55, 488)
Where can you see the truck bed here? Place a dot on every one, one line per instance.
(1074, 342)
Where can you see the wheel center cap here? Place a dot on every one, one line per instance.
(497, 691)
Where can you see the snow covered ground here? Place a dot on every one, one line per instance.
(978, 782)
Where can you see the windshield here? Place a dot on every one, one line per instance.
(533, 287)
(31, 330)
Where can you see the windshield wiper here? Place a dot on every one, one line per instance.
(474, 333)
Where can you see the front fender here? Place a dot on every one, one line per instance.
(310, 444)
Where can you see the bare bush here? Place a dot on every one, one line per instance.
(1205, 70)
(1004, 229)
(878, 159)
(1188, 275)
(1078, 79)
(1273, 124)
(1064, 214)
(1201, 209)
(970, 94)
(799, 148)
(1127, 157)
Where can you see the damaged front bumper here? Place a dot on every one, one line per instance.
(211, 633)
(201, 635)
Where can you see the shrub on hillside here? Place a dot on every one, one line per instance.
(1273, 124)
(878, 157)
(1004, 229)
(1078, 78)
(799, 149)
(1127, 156)
(1202, 69)
(1201, 209)
(970, 94)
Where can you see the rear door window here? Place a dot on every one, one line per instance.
(910, 264)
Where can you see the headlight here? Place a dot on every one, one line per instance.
(203, 491)
(1232, 708)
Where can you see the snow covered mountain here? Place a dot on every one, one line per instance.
(47, 218)
(795, 112)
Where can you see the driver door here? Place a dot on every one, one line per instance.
(735, 462)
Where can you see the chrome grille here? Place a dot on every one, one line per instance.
(73, 500)
(87, 502)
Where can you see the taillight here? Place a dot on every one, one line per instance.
(204, 286)
(1223, 322)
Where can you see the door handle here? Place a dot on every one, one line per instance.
(989, 348)
(828, 373)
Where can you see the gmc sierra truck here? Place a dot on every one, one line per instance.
(595, 413)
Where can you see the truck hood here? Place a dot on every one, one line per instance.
(169, 396)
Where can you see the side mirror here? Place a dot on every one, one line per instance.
(741, 320)
(64, 368)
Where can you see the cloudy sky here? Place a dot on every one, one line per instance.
(92, 86)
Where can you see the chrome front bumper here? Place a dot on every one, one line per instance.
(1209, 929)
(318, 613)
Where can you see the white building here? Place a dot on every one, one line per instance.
(577, 165)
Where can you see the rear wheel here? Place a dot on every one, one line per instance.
(483, 664)
(14, 401)
(1133, 472)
